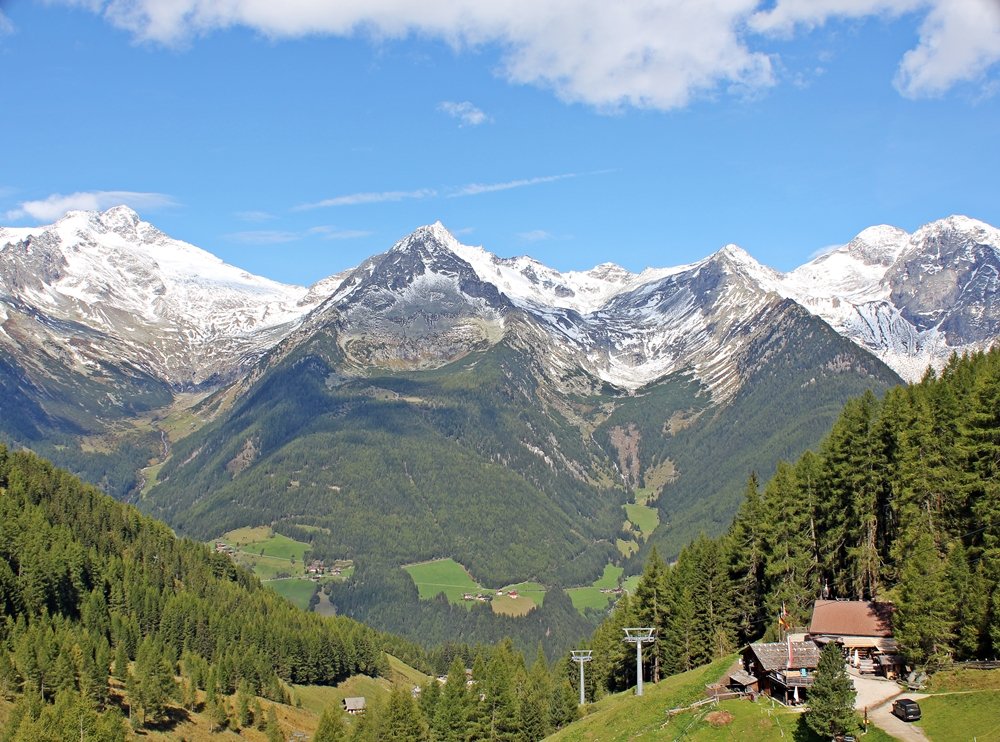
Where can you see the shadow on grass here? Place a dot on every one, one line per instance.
(803, 733)
(172, 716)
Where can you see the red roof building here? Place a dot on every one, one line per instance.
(863, 628)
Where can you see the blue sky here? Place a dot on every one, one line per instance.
(295, 139)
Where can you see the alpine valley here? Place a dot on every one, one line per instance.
(440, 401)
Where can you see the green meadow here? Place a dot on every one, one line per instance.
(643, 517)
(443, 576)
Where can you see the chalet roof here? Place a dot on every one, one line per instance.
(851, 618)
(742, 678)
(354, 703)
(774, 655)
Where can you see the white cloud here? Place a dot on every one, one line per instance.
(820, 251)
(658, 54)
(467, 113)
(959, 42)
(354, 199)
(6, 27)
(52, 208)
(643, 53)
(787, 15)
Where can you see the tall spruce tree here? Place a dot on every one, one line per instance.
(831, 697)
(401, 720)
(331, 727)
(745, 548)
(450, 722)
(650, 604)
(925, 604)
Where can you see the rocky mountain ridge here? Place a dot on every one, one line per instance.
(181, 315)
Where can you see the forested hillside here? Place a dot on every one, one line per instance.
(90, 588)
(401, 467)
(900, 502)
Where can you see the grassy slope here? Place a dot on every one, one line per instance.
(624, 716)
(297, 591)
(971, 715)
(963, 705)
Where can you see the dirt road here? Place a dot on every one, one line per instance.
(876, 695)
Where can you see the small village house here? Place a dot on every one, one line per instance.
(354, 705)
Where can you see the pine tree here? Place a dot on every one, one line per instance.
(924, 620)
(401, 721)
(10, 681)
(272, 729)
(831, 697)
(745, 549)
(243, 698)
(613, 666)
(430, 696)
(534, 702)
(790, 568)
(650, 603)
(121, 662)
(565, 700)
(331, 727)
(500, 717)
(217, 714)
(154, 678)
(450, 722)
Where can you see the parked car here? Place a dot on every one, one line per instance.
(906, 709)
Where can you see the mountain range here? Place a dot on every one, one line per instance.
(438, 400)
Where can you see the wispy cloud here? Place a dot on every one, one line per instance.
(819, 252)
(475, 189)
(255, 216)
(470, 189)
(263, 237)
(332, 233)
(355, 199)
(56, 205)
(534, 235)
(281, 236)
(466, 113)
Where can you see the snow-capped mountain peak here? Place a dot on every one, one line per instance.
(911, 300)
(188, 315)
